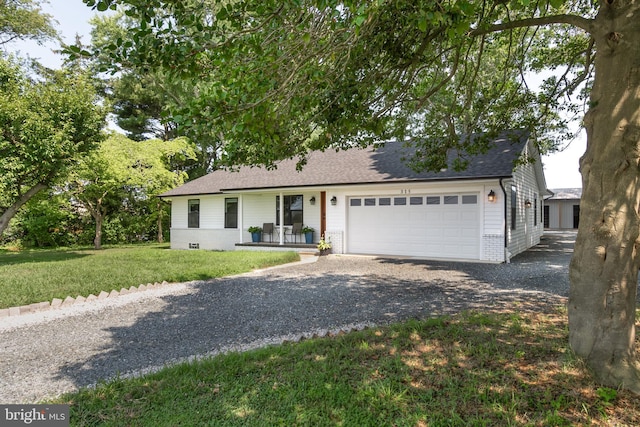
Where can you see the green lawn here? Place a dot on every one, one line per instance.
(510, 368)
(40, 275)
(473, 369)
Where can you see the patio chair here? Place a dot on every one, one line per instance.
(296, 230)
(267, 228)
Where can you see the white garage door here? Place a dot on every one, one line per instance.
(434, 226)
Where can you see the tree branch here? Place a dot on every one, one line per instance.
(577, 21)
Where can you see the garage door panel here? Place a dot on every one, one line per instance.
(434, 217)
(471, 217)
(398, 227)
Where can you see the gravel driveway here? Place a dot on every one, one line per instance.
(42, 355)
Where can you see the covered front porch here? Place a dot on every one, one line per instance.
(292, 219)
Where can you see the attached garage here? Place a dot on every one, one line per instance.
(369, 201)
(430, 225)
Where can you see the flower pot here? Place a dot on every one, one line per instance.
(256, 237)
(308, 237)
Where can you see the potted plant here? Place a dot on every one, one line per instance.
(256, 233)
(308, 234)
(324, 246)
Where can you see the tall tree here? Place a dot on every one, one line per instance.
(23, 19)
(145, 98)
(44, 125)
(278, 79)
(121, 169)
(139, 98)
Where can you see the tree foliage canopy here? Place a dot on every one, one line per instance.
(145, 99)
(277, 79)
(23, 19)
(46, 117)
(45, 124)
(123, 172)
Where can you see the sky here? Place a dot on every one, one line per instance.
(72, 18)
(561, 168)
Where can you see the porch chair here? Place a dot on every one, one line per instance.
(267, 228)
(296, 230)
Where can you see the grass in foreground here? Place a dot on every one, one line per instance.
(470, 369)
(40, 275)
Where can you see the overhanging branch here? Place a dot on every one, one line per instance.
(576, 21)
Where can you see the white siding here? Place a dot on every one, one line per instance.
(220, 239)
(526, 233)
(491, 215)
(492, 244)
(261, 208)
(211, 212)
(179, 212)
(561, 213)
(335, 220)
(257, 208)
(254, 209)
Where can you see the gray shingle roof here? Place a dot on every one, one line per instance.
(566, 194)
(357, 166)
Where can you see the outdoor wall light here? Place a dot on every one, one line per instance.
(312, 200)
(527, 203)
(334, 200)
(492, 196)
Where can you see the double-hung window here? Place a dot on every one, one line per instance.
(193, 220)
(293, 210)
(231, 212)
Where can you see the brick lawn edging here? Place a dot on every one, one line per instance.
(58, 303)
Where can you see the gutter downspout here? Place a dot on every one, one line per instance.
(506, 242)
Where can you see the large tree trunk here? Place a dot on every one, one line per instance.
(12, 210)
(98, 214)
(604, 268)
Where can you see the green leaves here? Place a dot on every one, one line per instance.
(24, 19)
(45, 125)
(102, 6)
(556, 4)
(269, 80)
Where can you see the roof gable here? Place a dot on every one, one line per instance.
(358, 166)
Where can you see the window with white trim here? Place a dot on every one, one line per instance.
(293, 210)
(399, 201)
(231, 212)
(450, 200)
(193, 219)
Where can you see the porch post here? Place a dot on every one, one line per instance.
(240, 219)
(281, 226)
